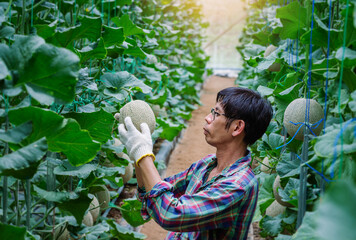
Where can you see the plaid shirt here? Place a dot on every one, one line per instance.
(194, 208)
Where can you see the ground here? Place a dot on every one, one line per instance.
(192, 145)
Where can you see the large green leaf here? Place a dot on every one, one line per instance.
(63, 135)
(123, 233)
(52, 196)
(116, 82)
(23, 163)
(330, 143)
(135, 52)
(16, 134)
(131, 212)
(76, 207)
(90, 28)
(95, 50)
(66, 169)
(50, 75)
(334, 217)
(75, 143)
(294, 18)
(349, 56)
(113, 36)
(12, 232)
(287, 167)
(99, 124)
(129, 27)
(4, 72)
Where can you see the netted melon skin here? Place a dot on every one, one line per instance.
(295, 113)
(140, 112)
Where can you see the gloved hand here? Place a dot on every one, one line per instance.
(138, 144)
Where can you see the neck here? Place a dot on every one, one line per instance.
(228, 154)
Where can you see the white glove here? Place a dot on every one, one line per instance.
(138, 144)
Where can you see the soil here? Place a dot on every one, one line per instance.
(192, 146)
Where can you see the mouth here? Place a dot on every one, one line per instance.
(206, 132)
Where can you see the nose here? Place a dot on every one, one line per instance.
(209, 118)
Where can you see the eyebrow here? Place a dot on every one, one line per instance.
(217, 109)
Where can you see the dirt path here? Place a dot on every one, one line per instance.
(192, 145)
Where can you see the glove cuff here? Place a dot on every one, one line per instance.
(142, 152)
(146, 155)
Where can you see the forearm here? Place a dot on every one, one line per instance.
(138, 172)
(148, 173)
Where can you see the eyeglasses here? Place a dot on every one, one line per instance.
(216, 114)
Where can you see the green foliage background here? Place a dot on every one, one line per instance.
(66, 67)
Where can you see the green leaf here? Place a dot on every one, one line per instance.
(150, 73)
(95, 50)
(334, 217)
(51, 74)
(115, 82)
(99, 124)
(272, 225)
(4, 72)
(293, 17)
(12, 232)
(66, 169)
(265, 91)
(135, 52)
(123, 233)
(76, 207)
(113, 36)
(287, 167)
(45, 31)
(75, 143)
(17, 134)
(129, 27)
(52, 196)
(352, 103)
(63, 135)
(90, 28)
(330, 143)
(349, 56)
(131, 212)
(170, 129)
(23, 163)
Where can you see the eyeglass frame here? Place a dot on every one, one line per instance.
(215, 113)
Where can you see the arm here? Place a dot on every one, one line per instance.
(216, 206)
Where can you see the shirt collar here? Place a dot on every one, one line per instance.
(236, 166)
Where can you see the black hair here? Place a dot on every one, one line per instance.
(249, 106)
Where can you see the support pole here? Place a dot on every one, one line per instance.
(302, 198)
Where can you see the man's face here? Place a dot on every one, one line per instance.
(214, 129)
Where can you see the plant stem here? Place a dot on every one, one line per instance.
(35, 6)
(44, 217)
(8, 8)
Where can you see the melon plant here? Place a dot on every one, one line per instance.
(276, 186)
(275, 209)
(140, 112)
(94, 208)
(294, 117)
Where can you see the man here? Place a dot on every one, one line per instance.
(215, 198)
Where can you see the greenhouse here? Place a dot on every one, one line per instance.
(178, 119)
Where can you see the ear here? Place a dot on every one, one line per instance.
(238, 127)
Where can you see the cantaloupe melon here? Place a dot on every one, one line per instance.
(103, 196)
(128, 173)
(275, 67)
(275, 209)
(276, 186)
(88, 220)
(94, 208)
(266, 166)
(140, 112)
(61, 233)
(158, 111)
(295, 113)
